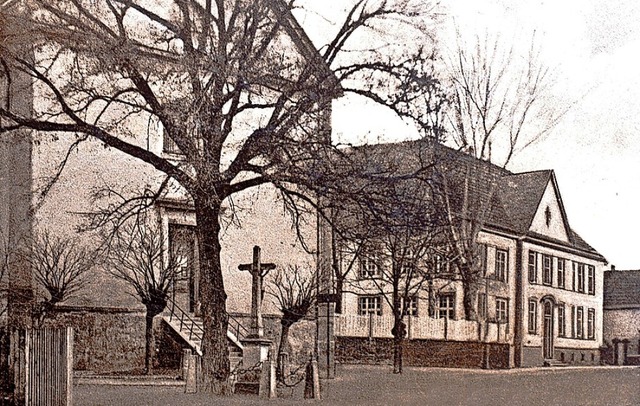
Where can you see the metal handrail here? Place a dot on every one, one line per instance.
(234, 324)
(183, 314)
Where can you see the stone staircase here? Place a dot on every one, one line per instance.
(190, 328)
(554, 363)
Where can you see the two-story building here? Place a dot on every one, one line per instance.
(539, 294)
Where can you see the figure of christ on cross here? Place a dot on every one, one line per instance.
(258, 271)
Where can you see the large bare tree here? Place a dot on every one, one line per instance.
(239, 92)
(499, 105)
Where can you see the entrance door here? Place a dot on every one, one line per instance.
(548, 330)
(183, 245)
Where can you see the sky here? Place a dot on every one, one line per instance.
(592, 48)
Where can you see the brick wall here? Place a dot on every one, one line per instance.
(425, 353)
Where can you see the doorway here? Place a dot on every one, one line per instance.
(547, 346)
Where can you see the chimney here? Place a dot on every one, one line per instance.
(613, 267)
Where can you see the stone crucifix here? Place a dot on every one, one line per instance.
(258, 271)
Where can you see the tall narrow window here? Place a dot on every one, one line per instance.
(575, 275)
(412, 305)
(591, 279)
(533, 267)
(591, 324)
(573, 321)
(502, 310)
(446, 308)
(560, 273)
(501, 265)
(369, 305)
(561, 322)
(579, 322)
(482, 306)
(580, 277)
(546, 269)
(533, 316)
(483, 257)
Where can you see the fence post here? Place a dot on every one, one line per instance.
(370, 326)
(446, 328)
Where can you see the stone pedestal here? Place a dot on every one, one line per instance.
(254, 350)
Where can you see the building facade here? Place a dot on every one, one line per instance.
(622, 316)
(539, 292)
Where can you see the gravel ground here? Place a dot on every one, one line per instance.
(375, 385)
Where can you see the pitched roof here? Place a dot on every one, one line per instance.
(621, 289)
(514, 197)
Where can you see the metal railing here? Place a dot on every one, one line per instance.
(195, 330)
(176, 312)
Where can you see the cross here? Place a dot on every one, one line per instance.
(258, 271)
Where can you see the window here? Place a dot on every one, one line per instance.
(561, 323)
(546, 269)
(580, 277)
(412, 305)
(501, 265)
(482, 306)
(560, 273)
(369, 305)
(446, 308)
(533, 316)
(579, 322)
(440, 264)
(169, 145)
(575, 275)
(369, 267)
(591, 324)
(408, 264)
(502, 310)
(483, 258)
(533, 267)
(591, 279)
(573, 321)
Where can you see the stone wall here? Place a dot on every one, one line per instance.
(105, 339)
(424, 353)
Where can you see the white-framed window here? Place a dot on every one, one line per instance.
(408, 261)
(560, 265)
(412, 305)
(561, 320)
(591, 280)
(501, 265)
(533, 316)
(580, 277)
(579, 322)
(369, 305)
(502, 310)
(446, 305)
(369, 266)
(533, 267)
(546, 269)
(591, 324)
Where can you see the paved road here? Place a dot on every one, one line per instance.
(373, 385)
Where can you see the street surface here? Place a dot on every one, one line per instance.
(376, 385)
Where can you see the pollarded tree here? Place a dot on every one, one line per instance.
(59, 266)
(295, 293)
(238, 90)
(137, 254)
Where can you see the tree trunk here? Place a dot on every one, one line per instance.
(470, 298)
(339, 287)
(282, 349)
(214, 376)
(399, 331)
(149, 347)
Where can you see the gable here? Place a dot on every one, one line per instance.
(549, 218)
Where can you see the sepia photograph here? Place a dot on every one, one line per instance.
(332, 202)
